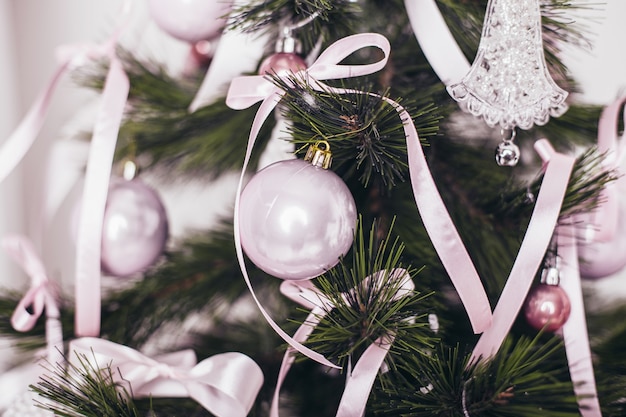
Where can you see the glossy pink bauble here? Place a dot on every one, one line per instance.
(547, 307)
(296, 219)
(282, 63)
(135, 228)
(190, 20)
(601, 259)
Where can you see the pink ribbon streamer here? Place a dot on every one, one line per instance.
(89, 237)
(40, 296)
(558, 168)
(604, 219)
(437, 43)
(225, 384)
(246, 91)
(574, 330)
(362, 377)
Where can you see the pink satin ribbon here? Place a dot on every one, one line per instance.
(574, 330)
(40, 296)
(437, 43)
(246, 91)
(362, 377)
(604, 219)
(95, 189)
(99, 162)
(558, 168)
(225, 384)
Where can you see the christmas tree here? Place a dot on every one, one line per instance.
(376, 259)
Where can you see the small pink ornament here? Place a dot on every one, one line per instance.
(282, 63)
(135, 228)
(285, 59)
(547, 306)
(190, 20)
(601, 259)
(297, 219)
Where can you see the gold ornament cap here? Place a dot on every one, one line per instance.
(319, 154)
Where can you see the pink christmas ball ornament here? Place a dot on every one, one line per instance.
(600, 259)
(135, 228)
(190, 20)
(282, 63)
(547, 307)
(296, 219)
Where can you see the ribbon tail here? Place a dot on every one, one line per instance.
(436, 41)
(362, 379)
(99, 163)
(443, 233)
(574, 330)
(20, 141)
(300, 335)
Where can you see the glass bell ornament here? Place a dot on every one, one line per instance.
(508, 83)
(297, 218)
(285, 60)
(190, 20)
(547, 306)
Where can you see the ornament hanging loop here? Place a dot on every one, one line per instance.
(319, 154)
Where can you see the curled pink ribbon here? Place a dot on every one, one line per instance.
(40, 296)
(361, 379)
(558, 168)
(246, 91)
(225, 384)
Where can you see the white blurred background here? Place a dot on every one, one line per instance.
(30, 30)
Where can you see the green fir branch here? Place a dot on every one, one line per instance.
(364, 311)
(330, 20)
(84, 391)
(525, 378)
(365, 132)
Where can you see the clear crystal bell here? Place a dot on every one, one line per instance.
(509, 83)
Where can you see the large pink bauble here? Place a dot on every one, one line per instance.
(601, 259)
(282, 63)
(296, 219)
(547, 307)
(135, 228)
(190, 20)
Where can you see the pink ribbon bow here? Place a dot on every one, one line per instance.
(225, 384)
(40, 296)
(245, 91)
(361, 379)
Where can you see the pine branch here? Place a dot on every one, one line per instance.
(365, 133)
(201, 276)
(365, 311)
(524, 377)
(330, 19)
(164, 136)
(84, 391)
